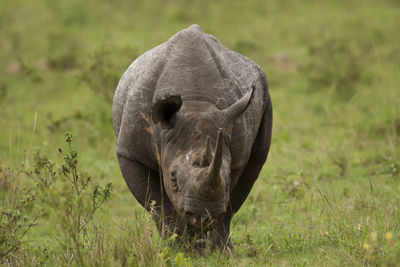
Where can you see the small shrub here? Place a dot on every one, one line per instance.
(62, 52)
(56, 125)
(390, 167)
(74, 198)
(28, 196)
(384, 165)
(340, 160)
(3, 91)
(15, 220)
(337, 62)
(104, 70)
(28, 71)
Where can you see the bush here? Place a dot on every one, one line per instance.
(337, 62)
(69, 194)
(73, 197)
(15, 219)
(105, 68)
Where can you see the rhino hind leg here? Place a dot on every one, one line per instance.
(144, 184)
(219, 237)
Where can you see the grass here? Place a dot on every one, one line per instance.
(329, 193)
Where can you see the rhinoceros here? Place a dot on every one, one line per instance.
(193, 122)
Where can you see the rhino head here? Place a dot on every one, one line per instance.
(194, 155)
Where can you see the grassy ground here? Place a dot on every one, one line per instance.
(329, 194)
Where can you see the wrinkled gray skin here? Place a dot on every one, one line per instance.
(193, 121)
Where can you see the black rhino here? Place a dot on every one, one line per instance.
(193, 122)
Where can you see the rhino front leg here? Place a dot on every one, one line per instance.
(145, 187)
(258, 156)
(220, 236)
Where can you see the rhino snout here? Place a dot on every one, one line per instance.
(200, 221)
(203, 214)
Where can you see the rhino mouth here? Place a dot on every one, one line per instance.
(203, 214)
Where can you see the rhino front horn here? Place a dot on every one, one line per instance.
(213, 175)
(233, 111)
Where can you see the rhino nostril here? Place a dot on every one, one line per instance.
(193, 219)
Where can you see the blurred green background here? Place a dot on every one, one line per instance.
(329, 193)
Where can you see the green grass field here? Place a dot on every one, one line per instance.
(329, 194)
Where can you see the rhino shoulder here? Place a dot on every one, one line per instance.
(131, 84)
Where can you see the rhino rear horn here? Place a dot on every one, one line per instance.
(214, 179)
(206, 155)
(233, 111)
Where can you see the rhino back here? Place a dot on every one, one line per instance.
(223, 76)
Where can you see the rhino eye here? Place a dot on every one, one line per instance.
(174, 184)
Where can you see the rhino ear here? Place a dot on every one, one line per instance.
(164, 110)
(237, 108)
